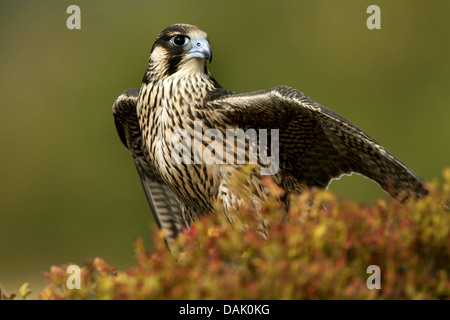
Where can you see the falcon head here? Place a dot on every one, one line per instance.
(180, 48)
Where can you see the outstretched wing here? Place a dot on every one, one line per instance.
(165, 207)
(316, 144)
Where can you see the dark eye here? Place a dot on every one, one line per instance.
(179, 41)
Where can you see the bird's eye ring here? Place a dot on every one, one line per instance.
(179, 40)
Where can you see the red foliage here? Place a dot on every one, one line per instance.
(313, 253)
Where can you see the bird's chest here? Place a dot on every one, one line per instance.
(159, 140)
(171, 130)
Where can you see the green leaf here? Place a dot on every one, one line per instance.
(24, 291)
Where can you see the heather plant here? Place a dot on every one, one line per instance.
(320, 250)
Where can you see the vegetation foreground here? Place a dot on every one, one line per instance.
(319, 251)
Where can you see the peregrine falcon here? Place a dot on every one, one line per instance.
(313, 146)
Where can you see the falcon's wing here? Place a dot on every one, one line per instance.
(165, 207)
(316, 145)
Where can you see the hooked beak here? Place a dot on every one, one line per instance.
(200, 48)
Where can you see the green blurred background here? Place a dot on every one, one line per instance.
(69, 190)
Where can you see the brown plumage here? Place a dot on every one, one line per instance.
(316, 145)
